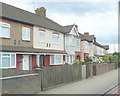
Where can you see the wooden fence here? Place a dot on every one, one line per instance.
(55, 75)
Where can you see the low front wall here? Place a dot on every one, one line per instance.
(102, 68)
(21, 84)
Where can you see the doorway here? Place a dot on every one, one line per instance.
(41, 60)
(26, 62)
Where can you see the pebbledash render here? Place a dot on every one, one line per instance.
(31, 40)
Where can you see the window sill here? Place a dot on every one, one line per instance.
(27, 40)
(5, 37)
(6, 67)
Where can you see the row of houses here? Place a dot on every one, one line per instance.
(30, 40)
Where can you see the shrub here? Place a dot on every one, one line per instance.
(88, 60)
(105, 58)
(78, 62)
(65, 63)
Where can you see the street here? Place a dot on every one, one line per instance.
(114, 90)
(96, 85)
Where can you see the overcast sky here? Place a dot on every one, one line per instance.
(97, 17)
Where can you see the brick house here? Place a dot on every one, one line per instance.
(20, 31)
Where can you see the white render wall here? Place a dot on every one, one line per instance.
(48, 39)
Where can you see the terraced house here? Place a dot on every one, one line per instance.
(91, 48)
(49, 38)
(30, 40)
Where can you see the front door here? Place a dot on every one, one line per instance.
(26, 62)
(41, 60)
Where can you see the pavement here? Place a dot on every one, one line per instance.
(96, 85)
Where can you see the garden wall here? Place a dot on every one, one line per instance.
(102, 68)
(21, 82)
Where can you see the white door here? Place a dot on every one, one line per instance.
(26, 62)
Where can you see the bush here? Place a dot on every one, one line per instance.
(105, 58)
(88, 60)
(78, 62)
(65, 63)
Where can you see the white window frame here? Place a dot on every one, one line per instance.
(56, 63)
(10, 60)
(27, 31)
(5, 25)
(70, 59)
(42, 40)
(54, 36)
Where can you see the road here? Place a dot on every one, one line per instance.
(115, 90)
(96, 85)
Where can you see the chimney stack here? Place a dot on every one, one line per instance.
(41, 11)
(86, 34)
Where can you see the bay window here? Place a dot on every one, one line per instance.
(4, 30)
(7, 60)
(25, 33)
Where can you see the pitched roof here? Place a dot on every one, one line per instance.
(18, 14)
(82, 37)
(103, 46)
(89, 38)
(106, 46)
(67, 28)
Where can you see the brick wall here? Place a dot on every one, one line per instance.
(102, 68)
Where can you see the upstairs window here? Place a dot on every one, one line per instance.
(41, 36)
(4, 30)
(56, 38)
(25, 33)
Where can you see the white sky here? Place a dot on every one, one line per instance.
(98, 17)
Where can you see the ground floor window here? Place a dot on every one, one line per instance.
(7, 60)
(69, 59)
(56, 59)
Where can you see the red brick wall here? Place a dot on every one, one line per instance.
(102, 68)
(78, 53)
